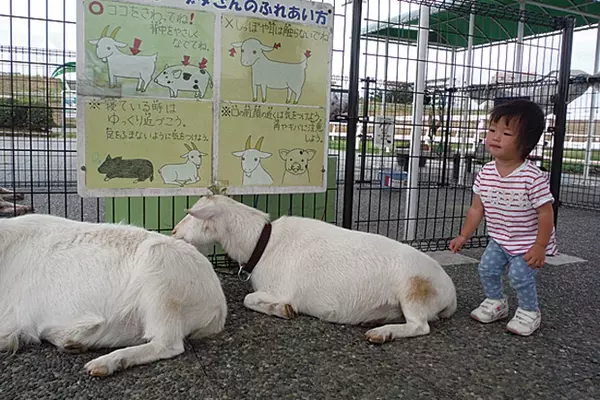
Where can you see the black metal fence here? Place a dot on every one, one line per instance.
(380, 81)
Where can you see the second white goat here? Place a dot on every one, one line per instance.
(316, 268)
(82, 286)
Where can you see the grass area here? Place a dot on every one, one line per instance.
(578, 154)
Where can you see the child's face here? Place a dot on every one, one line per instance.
(501, 141)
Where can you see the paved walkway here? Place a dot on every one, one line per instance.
(261, 357)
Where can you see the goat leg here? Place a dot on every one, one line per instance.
(13, 209)
(9, 195)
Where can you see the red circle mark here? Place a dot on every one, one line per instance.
(96, 10)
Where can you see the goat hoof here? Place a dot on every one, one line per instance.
(100, 370)
(377, 338)
(289, 312)
(72, 347)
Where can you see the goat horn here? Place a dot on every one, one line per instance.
(104, 31)
(194, 146)
(259, 143)
(248, 143)
(187, 147)
(114, 33)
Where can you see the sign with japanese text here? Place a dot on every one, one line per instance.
(177, 96)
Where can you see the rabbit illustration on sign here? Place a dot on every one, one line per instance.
(117, 167)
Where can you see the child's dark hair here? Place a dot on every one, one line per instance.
(525, 118)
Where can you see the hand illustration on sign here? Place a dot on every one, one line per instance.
(267, 73)
(296, 165)
(185, 77)
(116, 167)
(251, 157)
(121, 65)
(186, 173)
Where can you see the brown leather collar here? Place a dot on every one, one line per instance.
(263, 240)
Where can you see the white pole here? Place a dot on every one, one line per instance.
(592, 121)
(520, 33)
(465, 104)
(417, 122)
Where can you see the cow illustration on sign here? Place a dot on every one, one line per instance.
(121, 65)
(186, 173)
(251, 158)
(267, 73)
(185, 77)
(296, 166)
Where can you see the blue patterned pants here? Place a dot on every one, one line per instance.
(521, 277)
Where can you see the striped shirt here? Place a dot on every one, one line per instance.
(510, 204)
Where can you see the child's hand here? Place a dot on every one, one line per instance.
(536, 256)
(457, 243)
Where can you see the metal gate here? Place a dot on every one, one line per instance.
(424, 70)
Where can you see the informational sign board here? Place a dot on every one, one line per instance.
(176, 96)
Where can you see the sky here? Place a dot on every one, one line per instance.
(56, 35)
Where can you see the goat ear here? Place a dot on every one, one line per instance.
(238, 153)
(120, 44)
(207, 211)
(265, 48)
(236, 44)
(93, 41)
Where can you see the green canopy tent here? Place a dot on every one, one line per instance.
(64, 69)
(449, 22)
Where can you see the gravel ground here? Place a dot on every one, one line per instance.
(258, 356)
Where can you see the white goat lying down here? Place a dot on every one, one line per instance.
(316, 268)
(80, 285)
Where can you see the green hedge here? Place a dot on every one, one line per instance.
(20, 115)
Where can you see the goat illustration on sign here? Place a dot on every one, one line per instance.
(267, 73)
(185, 78)
(296, 166)
(251, 158)
(185, 173)
(121, 65)
(138, 168)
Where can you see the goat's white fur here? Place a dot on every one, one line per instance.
(82, 285)
(316, 268)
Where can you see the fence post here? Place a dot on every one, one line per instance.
(363, 147)
(352, 114)
(560, 111)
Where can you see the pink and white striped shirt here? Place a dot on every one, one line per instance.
(510, 204)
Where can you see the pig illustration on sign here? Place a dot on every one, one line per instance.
(296, 165)
(187, 78)
(116, 167)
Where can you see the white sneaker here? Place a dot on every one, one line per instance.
(490, 310)
(524, 323)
